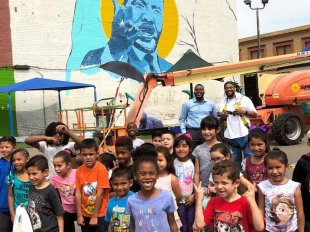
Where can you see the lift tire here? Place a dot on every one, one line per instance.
(288, 129)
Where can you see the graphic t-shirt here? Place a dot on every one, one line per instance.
(20, 189)
(280, 208)
(229, 216)
(185, 173)
(151, 215)
(50, 151)
(66, 189)
(256, 173)
(116, 215)
(88, 181)
(43, 207)
(202, 153)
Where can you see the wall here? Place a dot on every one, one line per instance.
(56, 38)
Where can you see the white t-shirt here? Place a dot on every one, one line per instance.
(137, 143)
(235, 126)
(50, 151)
(280, 207)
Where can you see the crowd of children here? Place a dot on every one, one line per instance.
(159, 186)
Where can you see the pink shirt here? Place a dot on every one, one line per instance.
(66, 188)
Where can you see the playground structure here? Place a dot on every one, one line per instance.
(281, 94)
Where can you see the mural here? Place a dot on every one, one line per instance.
(132, 35)
(72, 38)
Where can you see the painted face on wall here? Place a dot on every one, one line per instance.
(143, 21)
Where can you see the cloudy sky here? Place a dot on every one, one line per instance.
(277, 15)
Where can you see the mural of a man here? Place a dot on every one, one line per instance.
(136, 29)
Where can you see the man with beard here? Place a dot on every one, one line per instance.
(136, 29)
(236, 110)
(193, 111)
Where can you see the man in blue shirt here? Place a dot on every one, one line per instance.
(193, 111)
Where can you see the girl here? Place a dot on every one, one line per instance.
(167, 179)
(279, 198)
(108, 159)
(150, 209)
(219, 152)
(301, 174)
(253, 167)
(203, 166)
(184, 166)
(64, 182)
(56, 139)
(18, 181)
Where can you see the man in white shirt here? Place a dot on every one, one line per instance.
(236, 110)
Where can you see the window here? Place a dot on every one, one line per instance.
(254, 53)
(283, 48)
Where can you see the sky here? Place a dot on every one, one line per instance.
(277, 15)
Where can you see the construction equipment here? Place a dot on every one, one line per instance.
(281, 95)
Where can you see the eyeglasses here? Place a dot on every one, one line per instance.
(217, 159)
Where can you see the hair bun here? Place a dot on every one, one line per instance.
(276, 149)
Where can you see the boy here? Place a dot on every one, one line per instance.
(121, 182)
(92, 185)
(156, 138)
(7, 146)
(229, 210)
(132, 133)
(44, 207)
(167, 139)
(123, 149)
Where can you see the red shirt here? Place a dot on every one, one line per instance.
(229, 216)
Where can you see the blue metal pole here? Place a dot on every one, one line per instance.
(11, 115)
(95, 94)
(59, 100)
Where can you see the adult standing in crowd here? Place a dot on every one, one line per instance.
(193, 111)
(236, 110)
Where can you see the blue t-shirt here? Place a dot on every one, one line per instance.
(151, 215)
(116, 215)
(5, 168)
(20, 189)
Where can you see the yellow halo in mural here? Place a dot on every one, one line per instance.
(170, 24)
(295, 87)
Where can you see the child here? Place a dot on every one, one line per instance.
(44, 206)
(108, 159)
(92, 185)
(18, 181)
(167, 139)
(253, 167)
(56, 139)
(121, 181)
(184, 167)
(64, 182)
(228, 211)
(220, 152)
(203, 166)
(156, 138)
(167, 179)
(150, 209)
(7, 146)
(123, 149)
(279, 198)
(301, 174)
(132, 133)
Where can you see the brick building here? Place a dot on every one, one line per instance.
(275, 43)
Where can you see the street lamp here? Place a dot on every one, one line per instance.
(248, 2)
